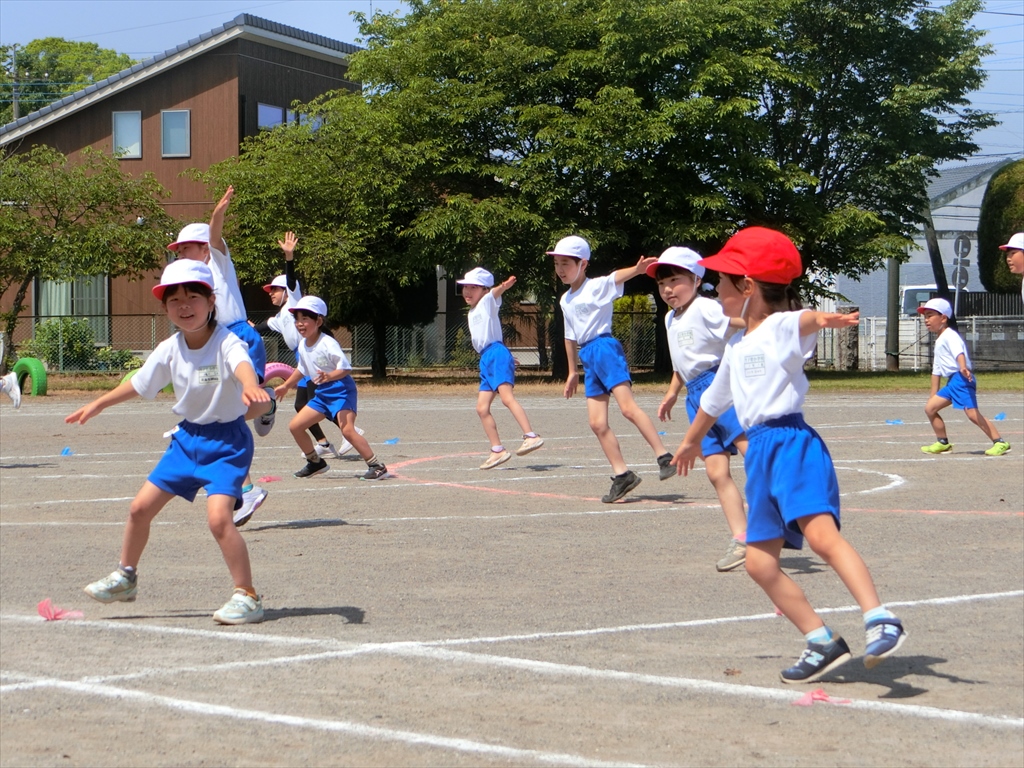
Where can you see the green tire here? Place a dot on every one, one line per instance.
(29, 367)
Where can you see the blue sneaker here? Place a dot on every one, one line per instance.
(885, 636)
(816, 660)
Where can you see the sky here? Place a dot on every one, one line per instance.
(143, 28)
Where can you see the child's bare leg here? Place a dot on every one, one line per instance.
(258, 409)
(484, 399)
(347, 423)
(508, 399)
(828, 543)
(717, 466)
(219, 511)
(300, 422)
(931, 409)
(624, 397)
(763, 567)
(597, 415)
(986, 426)
(144, 507)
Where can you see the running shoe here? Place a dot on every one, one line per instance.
(735, 556)
(327, 449)
(345, 446)
(665, 468)
(313, 468)
(251, 501)
(621, 485)
(12, 387)
(999, 447)
(937, 447)
(816, 660)
(530, 444)
(115, 588)
(240, 609)
(496, 458)
(376, 472)
(884, 637)
(263, 424)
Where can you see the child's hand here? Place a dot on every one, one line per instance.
(685, 457)
(570, 385)
(254, 394)
(225, 200)
(508, 283)
(644, 263)
(837, 320)
(665, 409)
(321, 378)
(289, 243)
(966, 373)
(83, 414)
(280, 391)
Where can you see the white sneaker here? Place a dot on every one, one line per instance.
(240, 609)
(251, 501)
(9, 384)
(115, 588)
(263, 424)
(530, 444)
(494, 459)
(345, 445)
(328, 450)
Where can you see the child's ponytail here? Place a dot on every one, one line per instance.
(780, 296)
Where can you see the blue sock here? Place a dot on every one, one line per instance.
(881, 612)
(246, 488)
(820, 636)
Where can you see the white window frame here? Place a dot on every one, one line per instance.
(113, 135)
(188, 133)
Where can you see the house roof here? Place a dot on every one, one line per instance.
(955, 181)
(244, 26)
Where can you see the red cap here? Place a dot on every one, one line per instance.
(760, 254)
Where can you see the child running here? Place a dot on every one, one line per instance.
(216, 390)
(322, 360)
(285, 293)
(587, 309)
(697, 333)
(9, 383)
(961, 391)
(203, 242)
(497, 368)
(792, 490)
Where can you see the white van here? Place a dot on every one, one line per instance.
(913, 296)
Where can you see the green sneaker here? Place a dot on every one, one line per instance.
(937, 447)
(999, 447)
(115, 588)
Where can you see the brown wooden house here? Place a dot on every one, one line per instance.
(189, 107)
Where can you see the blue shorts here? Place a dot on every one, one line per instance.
(604, 362)
(257, 350)
(960, 392)
(496, 367)
(726, 430)
(331, 399)
(211, 456)
(789, 476)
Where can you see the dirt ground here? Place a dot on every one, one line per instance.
(450, 616)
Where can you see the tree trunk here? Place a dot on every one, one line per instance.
(542, 339)
(662, 355)
(559, 362)
(11, 320)
(380, 351)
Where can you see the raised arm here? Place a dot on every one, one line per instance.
(622, 275)
(288, 246)
(500, 288)
(217, 221)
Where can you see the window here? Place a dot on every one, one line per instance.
(175, 140)
(269, 116)
(85, 297)
(128, 134)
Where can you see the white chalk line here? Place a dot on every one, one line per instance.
(441, 650)
(336, 726)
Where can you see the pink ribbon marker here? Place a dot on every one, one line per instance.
(268, 479)
(50, 612)
(817, 694)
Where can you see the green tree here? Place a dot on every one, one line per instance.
(640, 123)
(62, 219)
(343, 182)
(51, 68)
(1002, 214)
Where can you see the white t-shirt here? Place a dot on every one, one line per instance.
(204, 379)
(484, 325)
(697, 337)
(588, 311)
(325, 355)
(762, 372)
(230, 306)
(284, 321)
(947, 347)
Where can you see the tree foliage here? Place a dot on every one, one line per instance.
(51, 68)
(1002, 214)
(61, 220)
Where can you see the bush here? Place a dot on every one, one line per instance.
(110, 359)
(64, 344)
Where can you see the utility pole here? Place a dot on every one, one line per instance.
(14, 82)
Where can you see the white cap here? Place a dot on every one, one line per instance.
(278, 282)
(676, 256)
(1016, 243)
(183, 271)
(478, 276)
(312, 304)
(573, 246)
(192, 233)
(937, 305)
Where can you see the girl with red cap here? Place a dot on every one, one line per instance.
(792, 492)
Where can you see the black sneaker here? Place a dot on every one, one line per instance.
(665, 468)
(312, 468)
(816, 660)
(376, 472)
(621, 485)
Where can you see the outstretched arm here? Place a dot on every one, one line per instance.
(622, 275)
(499, 289)
(119, 394)
(217, 221)
(812, 322)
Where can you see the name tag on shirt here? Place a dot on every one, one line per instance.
(685, 338)
(753, 366)
(208, 374)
